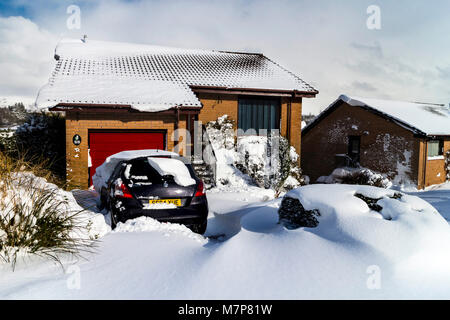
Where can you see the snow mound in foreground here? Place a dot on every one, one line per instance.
(398, 228)
(147, 224)
(408, 241)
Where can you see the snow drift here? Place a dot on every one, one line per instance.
(406, 244)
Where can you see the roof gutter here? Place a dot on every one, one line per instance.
(77, 107)
(255, 91)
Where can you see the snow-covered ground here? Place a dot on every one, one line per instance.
(246, 254)
(439, 197)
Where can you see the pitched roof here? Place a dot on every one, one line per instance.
(420, 118)
(154, 78)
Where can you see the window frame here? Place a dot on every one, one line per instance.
(440, 154)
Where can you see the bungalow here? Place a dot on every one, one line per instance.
(407, 141)
(121, 96)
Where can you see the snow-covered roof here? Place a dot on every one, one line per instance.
(154, 78)
(421, 118)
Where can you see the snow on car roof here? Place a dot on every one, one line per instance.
(431, 119)
(173, 167)
(104, 171)
(131, 154)
(154, 78)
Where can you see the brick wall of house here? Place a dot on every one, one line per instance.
(385, 146)
(216, 105)
(435, 169)
(213, 106)
(80, 123)
(295, 127)
(422, 163)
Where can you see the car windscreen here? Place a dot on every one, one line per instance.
(186, 163)
(139, 171)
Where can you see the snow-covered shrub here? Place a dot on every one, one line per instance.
(248, 154)
(35, 216)
(279, 171)
(289, 175)
(360, 176)
(293, 215)
(42, 136)
(221, 132)
(372, 203)
(365, 177)
(251, 158)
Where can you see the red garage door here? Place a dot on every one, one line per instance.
(102, 144)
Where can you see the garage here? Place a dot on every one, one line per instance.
(103, 143)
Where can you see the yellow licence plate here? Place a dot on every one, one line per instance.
(176, 202)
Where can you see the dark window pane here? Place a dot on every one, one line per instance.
(258, 114)
(140, 170)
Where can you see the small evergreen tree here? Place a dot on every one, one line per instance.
(42, 137)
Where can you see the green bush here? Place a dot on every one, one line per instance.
(41, 137)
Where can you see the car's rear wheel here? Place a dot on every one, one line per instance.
(102, 205)
(113, 217)
(199, 228)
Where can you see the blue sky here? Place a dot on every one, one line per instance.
(325, 42)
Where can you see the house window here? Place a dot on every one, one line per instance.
(435, 148)
(354, 149)
(258, 114)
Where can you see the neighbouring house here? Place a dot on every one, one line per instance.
(121, 96)
(407, 141)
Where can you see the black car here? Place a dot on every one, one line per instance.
(135, 186)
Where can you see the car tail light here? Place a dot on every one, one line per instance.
(200, 189)
(121, 190)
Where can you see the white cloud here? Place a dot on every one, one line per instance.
(26, 58)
